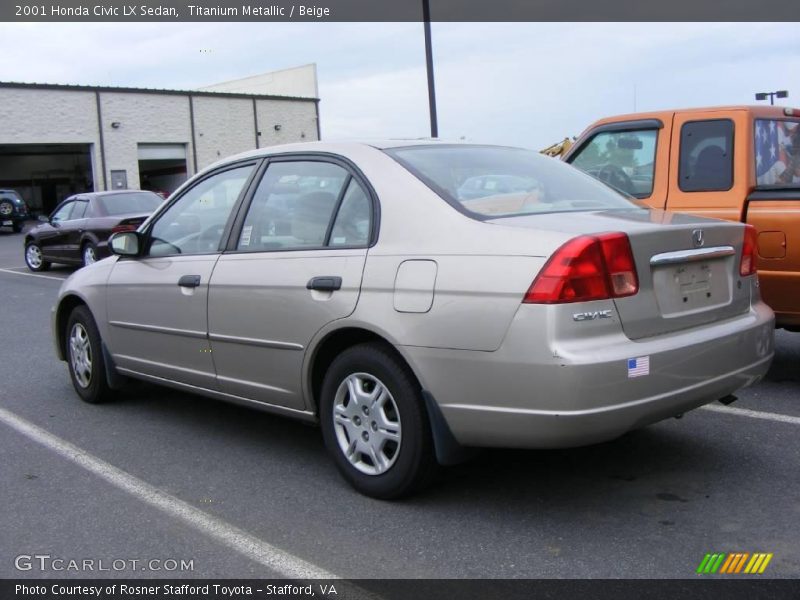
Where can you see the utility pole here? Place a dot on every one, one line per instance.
(426, 17)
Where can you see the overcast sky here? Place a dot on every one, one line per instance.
(526, 84)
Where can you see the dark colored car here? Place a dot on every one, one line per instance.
(13, 210)
(77, 231)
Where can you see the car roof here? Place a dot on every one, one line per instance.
(761, 110)
(341, 147)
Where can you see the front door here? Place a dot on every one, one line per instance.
(157, 304)
(295, 265)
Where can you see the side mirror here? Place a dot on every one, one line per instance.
(43, 219)
(125, 243)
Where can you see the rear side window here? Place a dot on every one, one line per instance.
(706, 156)
(777, 152)
(495, 181)
(623, 159)
(294, 206)
(134, 202)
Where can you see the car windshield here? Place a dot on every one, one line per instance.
(135, 202)
(494, 181)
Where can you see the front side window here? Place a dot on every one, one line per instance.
(62, 213)
(706, 156)
(777, 152)
(194, 224)
(623, 159)
(293, 206)
(494, 181)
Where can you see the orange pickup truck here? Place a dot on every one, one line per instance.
(740, 163)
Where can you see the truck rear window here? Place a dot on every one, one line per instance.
(777, 152)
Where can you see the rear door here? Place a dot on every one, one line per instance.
(294, 264)
(708, 170)
(72, 230)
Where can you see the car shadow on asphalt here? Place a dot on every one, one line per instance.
(644, 462)
(786, 364)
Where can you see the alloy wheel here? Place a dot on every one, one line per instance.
(80, 355)
(33, 255)
(367, 423)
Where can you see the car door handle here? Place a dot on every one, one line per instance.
(325, 283)
(190, 281)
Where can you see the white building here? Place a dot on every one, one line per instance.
(57, 140)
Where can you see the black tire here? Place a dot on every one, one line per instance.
(6, 210)
(94, 388)
(86, 246)
(412, 464)
(16, 227)
(33, 265)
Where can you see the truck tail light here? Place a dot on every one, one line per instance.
(587, 268)
(749, 250)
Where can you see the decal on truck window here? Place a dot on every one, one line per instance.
(777, 152)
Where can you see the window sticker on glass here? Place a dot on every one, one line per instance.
(246, 233)
(777, 152)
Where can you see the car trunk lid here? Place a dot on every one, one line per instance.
(688, 267)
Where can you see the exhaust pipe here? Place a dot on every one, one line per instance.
(728, 400)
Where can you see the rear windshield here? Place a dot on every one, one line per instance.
(494, 181)
(777, 152)
(135, 202)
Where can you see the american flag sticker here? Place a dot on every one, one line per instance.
(637, 367)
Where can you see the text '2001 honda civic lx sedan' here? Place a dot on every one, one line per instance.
(410, 301)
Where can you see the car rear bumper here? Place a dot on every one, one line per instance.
(576, 393)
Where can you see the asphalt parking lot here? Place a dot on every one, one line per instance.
(168, 476)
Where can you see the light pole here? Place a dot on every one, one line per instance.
(772, 95)
(426, 17)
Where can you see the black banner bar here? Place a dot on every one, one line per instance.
(398, 10)
(703, 588)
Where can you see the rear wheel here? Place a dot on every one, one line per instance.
(84, 354)
(374, 423)
(34, 258)
(89, 254)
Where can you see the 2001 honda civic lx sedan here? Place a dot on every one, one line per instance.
(367, 288)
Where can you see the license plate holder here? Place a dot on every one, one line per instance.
(691, 287)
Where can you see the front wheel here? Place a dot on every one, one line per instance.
(84, 354)
(34, 258)
(374, 423)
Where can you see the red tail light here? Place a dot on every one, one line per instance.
(587, 268)
(749, 251)
(125, 227)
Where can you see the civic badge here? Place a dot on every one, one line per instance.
(697, 238)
